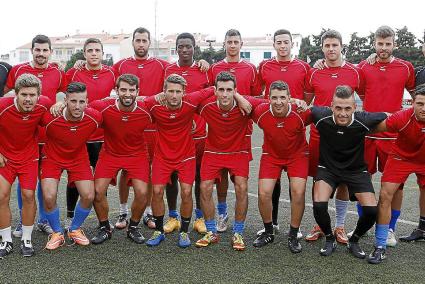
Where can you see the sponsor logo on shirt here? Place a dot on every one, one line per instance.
(232, 70)
(423, 130)
(124, 118)
(382, 68)
(26, 117)
(172, 115)
(340, 132)
(225, 114)
(334, 75)
(140, 66)
(40, 75)
(279, 124)
(95, 76)
(283, 69)
(73, 128)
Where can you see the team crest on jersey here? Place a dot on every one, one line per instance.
(382, 68)
(279, 124)
(73, 128)
(172, 116)
(283, 69)
(40, 75)
(124, 118)
(95, 76)
(334, 75)
(26, 117)
(140, 66)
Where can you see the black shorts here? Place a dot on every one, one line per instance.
(93, 148)
(357, 182)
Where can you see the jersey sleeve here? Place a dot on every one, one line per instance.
(306, 116)
(309, 89)
(197, 97)
(396, 121)
(210, 74)
(10, 82)
(98, 105)
(256, 86)
(46, 119)
(317, 113)
(69, 75)
(45, 101)
(96, 115)
(361, 88)
(410, 83)
(371, 119)
(255, 102)
(150, 102)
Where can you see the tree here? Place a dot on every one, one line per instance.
(211, 55)
(404, 38)
(311, 53)
(358, 49)
(76, 56)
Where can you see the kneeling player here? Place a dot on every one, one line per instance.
(65, 149)
(341, 161)
(407, 157)
(284, 148)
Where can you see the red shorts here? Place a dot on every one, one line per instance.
(77, 170)
(212, 164)
(150, 141)
(162, 170)
(313, 149)
(376, 152)
(398, 170)
(199, 148)
(26, 172)
(109, 165)
(271, 168)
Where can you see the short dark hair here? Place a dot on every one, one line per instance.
(224, 76)
(233, 32)
(75, 87)
(92, 40)
(186, 35)
(279, 85)
(384, 32)
(175, 79)
(129, 79)
(40, 39)
(343, 92)
(331, 34)
(420, 90)
(282, 32)
(141, 30)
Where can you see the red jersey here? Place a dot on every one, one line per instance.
(410, 143)
(175, 140)
(123, 129)
(284, 137)
(322, 83)
(52, 79)
(225, 133)
(19, 129)
(196, 80)
(245, 73)
(293, 72)
(66, 140)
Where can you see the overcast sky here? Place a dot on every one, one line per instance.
(22, 20)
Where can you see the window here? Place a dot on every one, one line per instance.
(173, 51)
(245, 54)
(267, 55)
(58, 52)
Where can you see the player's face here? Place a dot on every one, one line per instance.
(279, 100)
(174, 93)
(332, 48)
(384, 47)
(93, 54)
(419, 107)
(343, 110)
(233, 45)
(41, 53)
(283, 44)
(127, 94)
(27, 99)
(225, 90)
(76, 103)
(141, 45)
(185, 49)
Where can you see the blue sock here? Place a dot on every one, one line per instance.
(54, 221)
(173, 214)
(19, 196)
(79, 216)
(238, 227)
(394, 217)
(41, 212)
(359, 209)
(381, 235)
(211, 225)
(222, 208)
(198, 213)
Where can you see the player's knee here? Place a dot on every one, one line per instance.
(298, 195)
(385, 196)
(186, 194)
(320, 209)
(28, 196)
(88, 197)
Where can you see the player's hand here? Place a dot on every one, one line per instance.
(80, 64)
(244, 106)
(3, 161)
(203, 65)
(141, 98)
(301, 105)
(57, 108)
(371, 59)
(319, 64)
(160, 98)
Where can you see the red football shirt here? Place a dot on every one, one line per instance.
(293, 72)
(19, 129)
(175, 140)
(225, 133)
(52, 79)
(66, 140)
(245, 73)
(410, 142)
(196, 80)
(284, 137)
(123, 129)
(322, 83)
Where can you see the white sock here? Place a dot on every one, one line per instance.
(341, 207)
(123, 208)
(148, 210)
(6, 234)
(27, 232)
